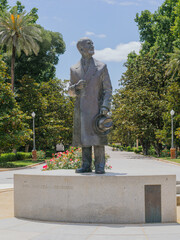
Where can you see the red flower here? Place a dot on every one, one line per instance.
(45, 167)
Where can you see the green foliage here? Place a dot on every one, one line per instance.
(152, 151)
(53, 108)
(158, 30)
(7, 157)
(176, 26)
(4, 5)
(17, 30)
(173, 66)
(138, 150)
(165, 153)
(14, 132)
(17, 33)
(129, 149)
(19, 8)
(150, 85)
(23, 155)
(41, 67)
(138, 106)
(41, 155)
(10, 157)
(172, 102)
(50, 153)
(45, 95)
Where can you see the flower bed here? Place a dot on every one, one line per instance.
(71, 159)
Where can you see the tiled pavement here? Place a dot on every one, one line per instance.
(128, 163)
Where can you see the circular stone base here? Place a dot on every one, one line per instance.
(89, 198)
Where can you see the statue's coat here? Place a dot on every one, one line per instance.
(96, 94)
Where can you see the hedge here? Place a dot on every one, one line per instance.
(10, 157)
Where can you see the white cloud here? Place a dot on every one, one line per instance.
(95, 35)
(132, 2)
(128, 3)
(101, 36)
(122, 3)
(110, 1)
(89, 33)
(154, 2)
(118, 54)
(73, 43)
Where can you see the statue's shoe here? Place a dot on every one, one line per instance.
(83, 170)
(99, 171)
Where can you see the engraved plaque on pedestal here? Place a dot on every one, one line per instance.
(153, 203)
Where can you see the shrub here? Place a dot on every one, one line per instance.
(23, 155)
(70, 159)
(129, 149)
(7, 165)
(178, 153)
(152, 151)
(49, 153)
(165, 153)
(10, 157)
(7, 157)
(139, 150)
(41, 155)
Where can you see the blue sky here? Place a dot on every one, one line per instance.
(109, 23)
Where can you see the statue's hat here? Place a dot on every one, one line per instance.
(102, 124)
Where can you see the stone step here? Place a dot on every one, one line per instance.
(178, 188)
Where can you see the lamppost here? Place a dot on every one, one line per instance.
(34, 154)
(172, 150)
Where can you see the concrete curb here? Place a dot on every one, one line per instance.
(167, 161)
(19, 168)
(6, 190)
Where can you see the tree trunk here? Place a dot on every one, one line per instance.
(27, 148)
(12, 66)
(146, 146)
(158, 148)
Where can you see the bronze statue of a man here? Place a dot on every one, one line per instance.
(91, 86)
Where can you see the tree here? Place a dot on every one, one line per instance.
(14, 132)
(4, 5)
(41, 67)
(18, 34)
(172, 101)
(139, 104)
(150, 85)
(173, 67)
(53, 108)
(156, 30)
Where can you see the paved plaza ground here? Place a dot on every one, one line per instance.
(122, 162)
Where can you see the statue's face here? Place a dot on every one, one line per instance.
(87, 48)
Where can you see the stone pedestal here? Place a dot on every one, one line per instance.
(173, 153)
(90, 198)
(34, 155)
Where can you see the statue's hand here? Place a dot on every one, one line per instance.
(81, 84)
(104, 111)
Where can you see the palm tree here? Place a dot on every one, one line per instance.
(173, 67)
(18, 33)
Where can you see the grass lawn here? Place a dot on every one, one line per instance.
(177, 160)
(16, 164)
